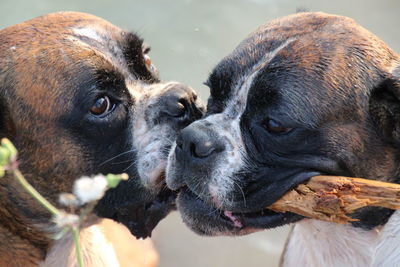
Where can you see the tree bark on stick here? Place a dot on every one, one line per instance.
(332, 198)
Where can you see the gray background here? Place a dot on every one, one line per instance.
(188, 38)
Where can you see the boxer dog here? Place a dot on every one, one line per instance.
(303, 95)
(79, 96)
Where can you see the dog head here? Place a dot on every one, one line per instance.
(79, 96)
(304, 95)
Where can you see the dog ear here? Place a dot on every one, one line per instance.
(384, 106)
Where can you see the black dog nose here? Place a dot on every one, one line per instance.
(198, 142)
(180, 103)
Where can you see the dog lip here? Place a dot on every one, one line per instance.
(204, 211)
(289, 182)
(266, 218)
(235, 223)
(142, 218)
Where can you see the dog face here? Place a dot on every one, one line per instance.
(303, 95)
(80, 96)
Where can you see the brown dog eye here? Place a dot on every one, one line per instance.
(102, 106)
(273, 126)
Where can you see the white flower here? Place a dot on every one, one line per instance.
(68, 200)
(88, 189)
(64, 219)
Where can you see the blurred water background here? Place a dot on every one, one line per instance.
(188, 38)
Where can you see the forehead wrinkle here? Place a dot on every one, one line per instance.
(310, 112)
(104, 44)
(239, 100)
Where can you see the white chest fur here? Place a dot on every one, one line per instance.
(317, 243)
(96, 250)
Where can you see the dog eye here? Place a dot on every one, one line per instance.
(273, 126)
(102, 106)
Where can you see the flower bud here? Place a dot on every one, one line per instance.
(4, 156)
(114, 179)
(6, 143)
(68, 200)
(88, 189)
(64, 219)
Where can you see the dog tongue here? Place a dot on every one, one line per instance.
(236, 221)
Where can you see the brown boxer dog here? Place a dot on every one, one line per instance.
(79, 96)
(303, 95)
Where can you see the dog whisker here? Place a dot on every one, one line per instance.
(130, 165)
(213, 211)
(117, 156)
(121, 162)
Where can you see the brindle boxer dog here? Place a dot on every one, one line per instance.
(79, 96)
(304, 95)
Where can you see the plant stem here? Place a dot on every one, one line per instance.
(75, 234)
(13, 167)
(86, 211)
(21, 179)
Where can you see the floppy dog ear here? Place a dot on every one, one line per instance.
(385, 106)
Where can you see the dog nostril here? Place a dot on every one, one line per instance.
(182, 106)
(192, 149)
(202, 150)
(176, 108)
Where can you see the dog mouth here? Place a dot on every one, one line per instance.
(227, 222)
(206, 219)
(137, 207)
(264, 219)
(142, 217)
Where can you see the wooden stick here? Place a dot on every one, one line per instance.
(332, 198)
